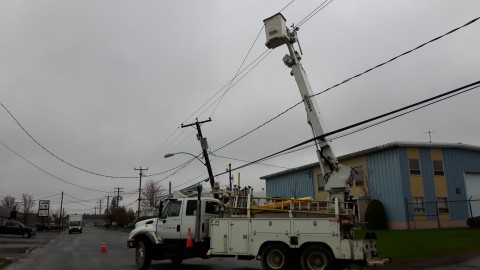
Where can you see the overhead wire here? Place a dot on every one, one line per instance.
(429, 102)
(237, 159)
(238, 70)
(314, 12)
(410, 111)
(345, 81)
(52, 175)
(160, 147)
(398, 56)
(229, 83)
(55, 156)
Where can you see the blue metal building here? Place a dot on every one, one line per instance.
(421, 185)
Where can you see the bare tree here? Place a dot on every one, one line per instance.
(151, 193)
(9, 202)
(27, 205)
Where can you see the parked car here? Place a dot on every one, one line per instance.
(15, 227)
(41, 227)
(131, 225)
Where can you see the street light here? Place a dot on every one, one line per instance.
(173, 154)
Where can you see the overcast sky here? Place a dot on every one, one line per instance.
(105, 86)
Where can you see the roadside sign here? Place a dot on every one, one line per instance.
(44, 205)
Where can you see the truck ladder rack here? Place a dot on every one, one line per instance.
(246, 206)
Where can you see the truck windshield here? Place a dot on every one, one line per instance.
(75, 223)
(172, 209)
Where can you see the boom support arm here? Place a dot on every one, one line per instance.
(338, 181)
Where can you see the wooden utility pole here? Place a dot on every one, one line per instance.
(60, 214)
(204, 145)
(108, 202)
(100, 213)
(118, 206)
(140, 189)
(230, 176)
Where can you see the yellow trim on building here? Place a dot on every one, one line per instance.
(416, 186)
(439, 181)
(413, 153)
(420, 218)
(436, 154)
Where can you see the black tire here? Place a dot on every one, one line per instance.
(26, 235)
(316, 258)
(275, 257)
(143, 255)
(176, 261)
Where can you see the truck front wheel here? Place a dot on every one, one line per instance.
(143, 256)
(316, 258)
(275, 257)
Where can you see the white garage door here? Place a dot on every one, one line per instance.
(472, 183)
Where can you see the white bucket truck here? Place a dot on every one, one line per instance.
(283, 233)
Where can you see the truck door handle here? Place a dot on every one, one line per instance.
(178, 228)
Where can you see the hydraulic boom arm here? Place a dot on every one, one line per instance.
(339, 179)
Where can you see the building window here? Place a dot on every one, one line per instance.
(321, 182)
(359, 176)
(442, 205)
(414, 165)
(438, 167)
(418, 206)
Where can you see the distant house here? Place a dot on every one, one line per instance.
(421, 185)
(4, 215)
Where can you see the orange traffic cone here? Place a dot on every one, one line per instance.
(189, 239)
(104, 248)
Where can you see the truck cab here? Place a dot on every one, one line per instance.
(171, 235)
(179, 217)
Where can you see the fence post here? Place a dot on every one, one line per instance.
(407, 213)
(438, 214)
(470, 205)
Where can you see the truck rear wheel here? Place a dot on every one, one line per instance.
(275, 257)
(316, 258)
(143, 256)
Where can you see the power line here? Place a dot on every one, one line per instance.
(55, 156)
(160, 147)
(391, 118)
(430, 101)
(286, 6)
(87, 201)
(314, 12)
(398, 56)
(343, 82)
(264, 164)
(258, 127)
(238, 70)
(54, 176)
(219, 99)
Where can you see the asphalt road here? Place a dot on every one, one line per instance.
(59, 251)
(83, 251)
